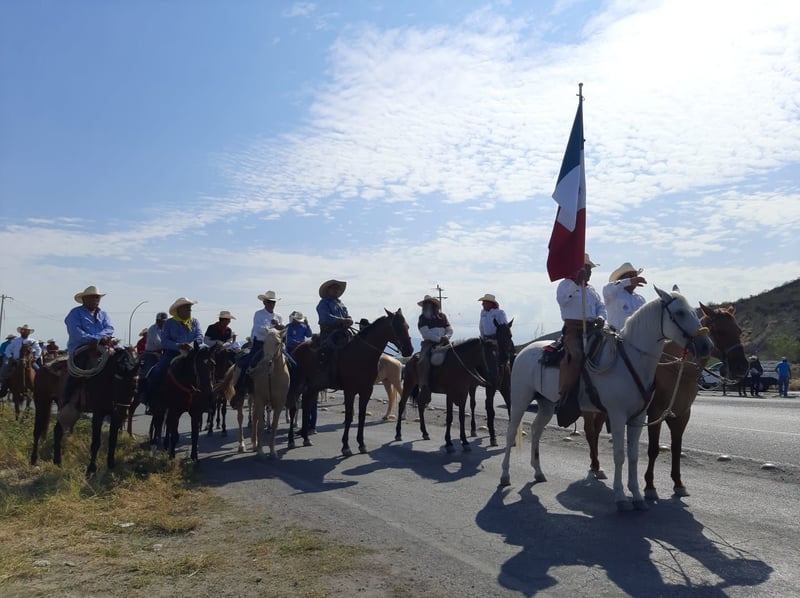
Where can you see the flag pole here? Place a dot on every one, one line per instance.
(583, 283)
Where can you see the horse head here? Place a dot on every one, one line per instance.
(680, 324)
(505, 343)
(726, 335)
(273, 345)
(400, 331)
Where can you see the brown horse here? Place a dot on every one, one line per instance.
(390, 374)
(505, 352)
(463, 366)
(223, 360)
(270, 389)
(184, 388)
(725, 334)
(21, 380)
(105, 394)
(47, 389)
(356, 369)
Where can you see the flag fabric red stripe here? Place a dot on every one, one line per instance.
(568, 239)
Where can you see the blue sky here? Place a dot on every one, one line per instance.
(216, 150)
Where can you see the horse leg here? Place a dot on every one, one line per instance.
(292, 416)
(197, 423)
(391, 396)
(676, 429)
(401, 411)
(422, 428)
(618, 438)
(472, 392)
(363, 400)
(634, 433)
(172, 432)
(592, 425)
(58, 434)
(448, 443)
(462, 416)
(240, 421)
(223, 408)
(97, 427)
(543, 416)
(653, 435)
(40, 424)
(115, 419)
(490, 416)
(308, 403)
(131, 410)
(257, 429)
(349, 398)
(276, 418)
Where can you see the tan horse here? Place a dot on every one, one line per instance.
(21, 380)
(725, 334)
(390, 374)
(270, 388)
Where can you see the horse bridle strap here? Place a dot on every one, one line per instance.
(665, 307)
(180, 385)
(647, 395)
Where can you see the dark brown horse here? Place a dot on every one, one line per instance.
(21, 380)
(105, 394)
(725, 334)
(463, 366)
(47, 389)
(504, 350)
(356, 370)
(223, 360)
(185, 387)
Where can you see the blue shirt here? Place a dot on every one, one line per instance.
(783, 369)
(175, 334)
(82, 327)
(296, 333)
(331, 312)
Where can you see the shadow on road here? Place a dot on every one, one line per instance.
(664, 551)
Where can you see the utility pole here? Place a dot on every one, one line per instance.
(439, 290)
(2, 305)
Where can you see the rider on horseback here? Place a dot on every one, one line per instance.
(620, 294)
(220, 333)
(568, 295)
(435, 330)
(11, 355)
(334, 329)
(263, 320)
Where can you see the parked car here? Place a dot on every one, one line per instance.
(711, 379)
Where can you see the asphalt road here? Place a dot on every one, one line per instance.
(447, 526)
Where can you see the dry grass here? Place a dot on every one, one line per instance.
(147, 526)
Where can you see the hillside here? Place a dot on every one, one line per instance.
(770, 321)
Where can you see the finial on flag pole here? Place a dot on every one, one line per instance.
(580, 91)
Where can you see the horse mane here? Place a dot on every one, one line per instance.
(370, 325)
(641, 317)
(466, 343)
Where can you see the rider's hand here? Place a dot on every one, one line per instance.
(185, 346)
(347, 322)
(444, 340)
(599, 322)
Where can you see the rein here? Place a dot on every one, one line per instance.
(647, 395)
(475, 376)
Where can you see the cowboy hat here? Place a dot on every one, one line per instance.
(11, 336)
(427, 298)
(226, 315)
(624, 269)
(51, 340)
(25, 327)
(178, 302)
(142, 332)
(323, 289)
(268, 296)
(588, 262)
(88, 291)
(162, 316)
(297, 316)
(490, 298)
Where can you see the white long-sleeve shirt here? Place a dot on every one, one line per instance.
(486, 325)
(262, 321)
(568, 295)
(620, 303)
(14, 347)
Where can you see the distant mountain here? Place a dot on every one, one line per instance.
(767, 316)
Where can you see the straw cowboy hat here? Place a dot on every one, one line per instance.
(226, 315)
(323, 289)
(142, 332)
(588, 262)
(88, 291)
(624, 269)
(490, 298)
(11, 337)
(427, 298)
(178, 302)
(25, 327)
(297, 316)
(268, 296)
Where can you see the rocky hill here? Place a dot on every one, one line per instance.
(770, 322)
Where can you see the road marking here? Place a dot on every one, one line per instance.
(756, 430)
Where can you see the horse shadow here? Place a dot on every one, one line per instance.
(654, 553)
(437, 466)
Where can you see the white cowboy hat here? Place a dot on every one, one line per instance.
(226, 315)
(178, 302)
(268, 296)
(490, 298)
(623, 269)
(25, 327)
(323, 289)
(433, 300)
(588, 262)
(10, 337)
(91, 290)
(297, 316)
(142, 332)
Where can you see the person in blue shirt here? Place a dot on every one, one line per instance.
(88, 327)
(334, 328)
(784, 373)
(180, 332)
(297, 331)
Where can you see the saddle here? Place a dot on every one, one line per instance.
(553, 353)
(438, 354)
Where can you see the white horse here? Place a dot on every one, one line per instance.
(270, 388)
(624, 388)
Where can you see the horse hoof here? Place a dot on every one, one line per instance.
(493, 442)
(426, 437)
(539, 477)
(650, 494)
(398, 438)
(640, 505)
(473, 434)
(505, 480)
(680, 491)
(347, 452)
(449, 448)
(362, 449)
(307, 442)
(623, 506)
(290, 445)
(600, 475)
(241, 447)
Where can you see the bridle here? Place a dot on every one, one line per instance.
(687, 336)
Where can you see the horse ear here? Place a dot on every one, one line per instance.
(511, 323)
(663, 294)
(675, 288)
(732, 309)
(707, 311)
